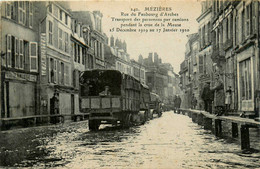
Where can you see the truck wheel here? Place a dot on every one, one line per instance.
(93, 125)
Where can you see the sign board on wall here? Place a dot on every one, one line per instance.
(43, 54)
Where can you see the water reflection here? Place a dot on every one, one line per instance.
(171, 141)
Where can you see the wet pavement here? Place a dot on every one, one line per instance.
(171, 141)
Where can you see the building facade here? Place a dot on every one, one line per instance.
(19, 59)
(236, 51)
(189, 72)
(204, 62)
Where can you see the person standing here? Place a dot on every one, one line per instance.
(219, 96)
(207, 97)
(228, 98)
(54, 106)
(193, 101)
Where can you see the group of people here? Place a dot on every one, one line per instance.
(215, 94)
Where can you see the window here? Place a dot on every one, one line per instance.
(83, 56)
(66, 19)
(22, 16)
(206, 34)
(201, 64)
(79, 53)
(66, 42)
(242, 26)
(50, 33)
(209, 32)
(75, 26)
(61, 15)
(75, 52)
(245, 79)
(66, 75)
(21, 53)
(53, 70)
(16, 52)
(30, 14)
(248, 19)
(8, 9)
(204, 65)
(7, 59)
(33, 57)
(60, 39)
(50, 8)
(62, 73)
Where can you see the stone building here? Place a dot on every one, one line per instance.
(138, 71)
(189, 71)
(160, 77)
(236, 51)
(204, 62)
(116, 56)
(19, 59)
(55, 62)
(97, 38)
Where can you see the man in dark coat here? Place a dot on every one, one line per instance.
(207, 97)
(219, 96)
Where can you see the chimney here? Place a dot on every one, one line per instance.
(156, 59)
(150, 58)
(140, 59)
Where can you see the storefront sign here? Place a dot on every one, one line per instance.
(43, 53)
(20, 76)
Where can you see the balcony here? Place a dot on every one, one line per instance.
(218, 53)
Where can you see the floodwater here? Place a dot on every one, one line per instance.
(171, 141)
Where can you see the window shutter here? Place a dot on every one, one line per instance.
(8, 9)
(21, 53)
(16, 53)
(9, 50)
(49, 69)
(66, 74)
(33, 57)
(55, 71)
(254, 14)
(30, 14)
(58, 72)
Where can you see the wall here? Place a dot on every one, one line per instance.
(21, 99)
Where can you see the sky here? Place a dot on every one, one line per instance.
(170, 46)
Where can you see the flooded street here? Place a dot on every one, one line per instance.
(171, 141)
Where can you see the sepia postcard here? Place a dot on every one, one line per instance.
(130, 84)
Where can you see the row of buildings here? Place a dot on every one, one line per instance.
(227, 43)
(45, 46)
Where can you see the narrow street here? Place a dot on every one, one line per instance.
(172, 141)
